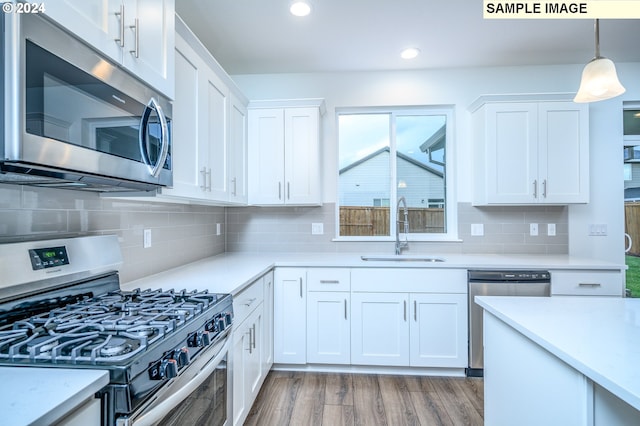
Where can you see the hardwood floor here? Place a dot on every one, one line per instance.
(331, 399)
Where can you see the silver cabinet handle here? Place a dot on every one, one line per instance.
(535, 188)
(415, 310)
(254, 335)
(288, 190)
(544, 188)
(120, 15)
(234, 187)
(589, 285)
(136, 28)
(250, 349)
(329, 281)
(279, 190)
(250, 301)
(300, 287)
(203, 172)
(209, 180)
(405, 311)
(345, 308)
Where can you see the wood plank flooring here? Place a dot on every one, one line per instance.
(334, 399)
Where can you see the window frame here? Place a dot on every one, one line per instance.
(451, 210)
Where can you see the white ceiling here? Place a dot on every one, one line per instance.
(260, 36)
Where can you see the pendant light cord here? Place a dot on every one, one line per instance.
(597, 32)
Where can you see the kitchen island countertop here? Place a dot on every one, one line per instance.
(42, 396)
(597, 336)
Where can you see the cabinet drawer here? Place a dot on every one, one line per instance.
(329, 279)
(586, 283)
(245, 302)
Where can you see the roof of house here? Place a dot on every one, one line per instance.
(400, 155)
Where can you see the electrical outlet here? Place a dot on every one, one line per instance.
(146, 238)
(551, 229)
(317, 228)
(477, 229)
(218, 229)
(533, 229)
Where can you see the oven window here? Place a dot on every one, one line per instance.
(70, 105)
(207, 405)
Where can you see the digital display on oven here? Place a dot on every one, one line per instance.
(49, 257)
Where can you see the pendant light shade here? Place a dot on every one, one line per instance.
(599, 77)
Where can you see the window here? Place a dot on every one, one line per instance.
(388, 154)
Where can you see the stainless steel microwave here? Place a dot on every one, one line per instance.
(73, 119)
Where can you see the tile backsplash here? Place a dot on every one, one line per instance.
(181, 233)
(506, 230)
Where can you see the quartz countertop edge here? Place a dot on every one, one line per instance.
(231, 272)
(597, 336)
(42, 396)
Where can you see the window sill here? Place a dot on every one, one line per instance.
(442, 239)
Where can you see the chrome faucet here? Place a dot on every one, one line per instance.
(402, 244)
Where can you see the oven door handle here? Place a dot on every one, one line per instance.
(158, 412)
(143, 134)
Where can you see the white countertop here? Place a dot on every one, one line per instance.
(599, 337)
(42, 396)
(231, 272)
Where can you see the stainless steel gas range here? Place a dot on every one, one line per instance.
(165, 350)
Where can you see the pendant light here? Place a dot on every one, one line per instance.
(599, 78)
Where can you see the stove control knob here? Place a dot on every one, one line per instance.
(183, 357)
(227, 318)
(205, 338)
(170, 368)
(221, 324)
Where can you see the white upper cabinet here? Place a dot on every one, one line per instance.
(209, 129)
(531, 153)
(138, 34)
(237, 152)
(284, 152)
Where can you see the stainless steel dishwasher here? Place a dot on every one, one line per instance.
(498, 283)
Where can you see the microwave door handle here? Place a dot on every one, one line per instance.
(153, 105)
(159, 411)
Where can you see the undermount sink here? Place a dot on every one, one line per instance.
(402, 258)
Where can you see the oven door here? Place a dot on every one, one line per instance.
(199, 395)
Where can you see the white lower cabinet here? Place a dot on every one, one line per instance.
(290, 315)
(379, 329)
(249, 367)
(267, 322)
(437, 331)
(328, 328)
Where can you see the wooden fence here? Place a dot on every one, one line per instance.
(632, 226)
(374, 221)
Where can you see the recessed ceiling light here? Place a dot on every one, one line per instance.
(300, 7)
(410, 53)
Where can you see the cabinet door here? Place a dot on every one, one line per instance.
(328, 328)
(149, 39)
(266, 156)
(512, 157)
(438, 330)
(95, 21)
(564, 152)
(237, 152)
(290, 314)
(213, 123)
(267, 330)
(189, 161)
(380, 329)
(239, 372)
(302, 156)
(253, 375)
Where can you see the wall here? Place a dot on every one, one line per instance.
(180, 233)
(460, 87)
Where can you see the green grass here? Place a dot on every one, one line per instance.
(633, 275)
